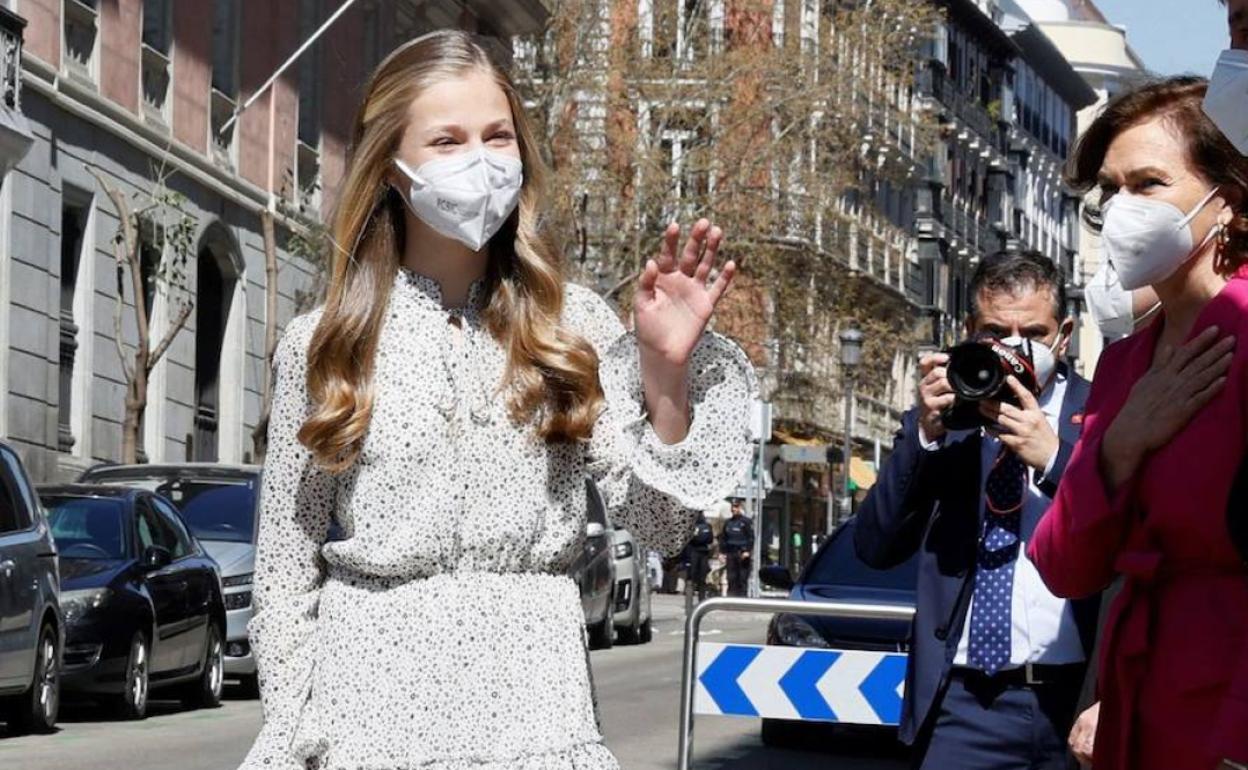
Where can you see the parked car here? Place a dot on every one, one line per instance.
(32, 631)
(142, 598)
(594, 572)
(632, 589)
(835, 573)
(220, 503)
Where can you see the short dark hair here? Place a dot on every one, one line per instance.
(1178, 101)
(1017, 271)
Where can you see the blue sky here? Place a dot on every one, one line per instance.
(1172, 36)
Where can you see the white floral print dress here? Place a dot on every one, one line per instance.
(441, 632)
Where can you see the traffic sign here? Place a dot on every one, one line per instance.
(801, 683)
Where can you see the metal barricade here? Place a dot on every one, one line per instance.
(769, 606)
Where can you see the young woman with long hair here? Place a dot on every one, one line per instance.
(444, 409)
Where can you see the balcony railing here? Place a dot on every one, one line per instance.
(11, 28)
(967, 108)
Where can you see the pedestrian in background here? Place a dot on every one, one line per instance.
(445, 407)
(736, 543)
(996, 660)
(1145, 495)
(700, 556)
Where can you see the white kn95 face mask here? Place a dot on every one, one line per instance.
(1147, 240)
(1226, 100)
(467, 196)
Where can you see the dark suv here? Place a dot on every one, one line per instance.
(31, 629)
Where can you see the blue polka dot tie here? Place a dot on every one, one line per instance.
(988, 648)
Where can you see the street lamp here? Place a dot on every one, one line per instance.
(851, 356)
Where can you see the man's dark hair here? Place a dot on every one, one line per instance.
(1018, 271)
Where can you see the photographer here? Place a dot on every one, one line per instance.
(996, 660)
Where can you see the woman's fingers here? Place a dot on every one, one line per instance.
(1203, 397)
(667, 251)
(1198, 380)
(693, 247)
(649, 277)
(714, 238)
(1212, 356)
(723, 281)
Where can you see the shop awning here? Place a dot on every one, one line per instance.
(861, 474)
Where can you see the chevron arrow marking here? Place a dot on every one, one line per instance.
(882, 688)
(800, 684)
(720, 680)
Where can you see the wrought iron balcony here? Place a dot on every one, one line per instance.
(11, 29)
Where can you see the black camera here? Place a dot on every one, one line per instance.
(977, 371)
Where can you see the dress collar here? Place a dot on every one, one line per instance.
(428, 293)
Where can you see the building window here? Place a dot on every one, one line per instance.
(693, 34)
(225, 26)
(73, 237)
(156, 71)
(81, 32)
(214, 294)
(151, 259)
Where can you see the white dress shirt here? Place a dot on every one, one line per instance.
(1043, 626)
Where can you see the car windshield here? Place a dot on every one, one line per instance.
(213, 508)
(87, 527)
(837, 564)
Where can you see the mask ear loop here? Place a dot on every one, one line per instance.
(1187, 220)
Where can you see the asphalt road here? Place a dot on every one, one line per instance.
(638, 691)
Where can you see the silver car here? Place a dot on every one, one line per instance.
(632, 589)
(220, 504)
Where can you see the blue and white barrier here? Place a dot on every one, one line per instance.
(844, 686)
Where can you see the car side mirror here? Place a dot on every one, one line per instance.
(776, 576)
(594, 529)
(156, 557)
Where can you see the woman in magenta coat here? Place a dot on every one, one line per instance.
(1165, 428)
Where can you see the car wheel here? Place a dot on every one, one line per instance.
(645, 633)
(132, 703)
(35, 711)
(205, 691)
(602, 637)
(630, 634)
(249, 685)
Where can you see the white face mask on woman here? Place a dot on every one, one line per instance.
(1147, 240)
(1111, 305)
(1226, 101)
(467, 196)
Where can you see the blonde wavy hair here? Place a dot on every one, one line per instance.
(551, 379)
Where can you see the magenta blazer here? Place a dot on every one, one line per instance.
(1174, 659)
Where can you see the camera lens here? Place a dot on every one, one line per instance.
(975, 372)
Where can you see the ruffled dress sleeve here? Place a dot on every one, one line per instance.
(297, 500)
(654, 489)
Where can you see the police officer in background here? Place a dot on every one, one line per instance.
(736, 542)
(700, 555)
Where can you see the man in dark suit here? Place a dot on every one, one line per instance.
(996, 661)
